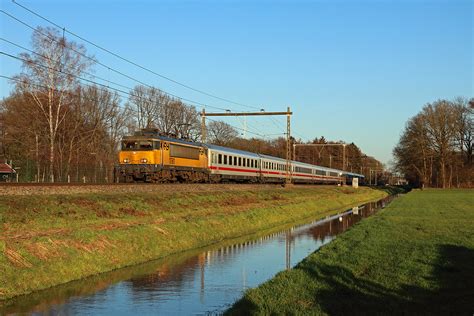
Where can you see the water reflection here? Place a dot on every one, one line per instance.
(194, 282)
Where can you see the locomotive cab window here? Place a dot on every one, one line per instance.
(137, 145)
(146, 145)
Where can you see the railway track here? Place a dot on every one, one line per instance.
(124, 188)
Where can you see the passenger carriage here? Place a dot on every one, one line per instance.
(232, 164)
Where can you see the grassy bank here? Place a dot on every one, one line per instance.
(52, 239)
(414, 257)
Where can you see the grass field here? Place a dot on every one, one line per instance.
(414, 257)
(48, 240)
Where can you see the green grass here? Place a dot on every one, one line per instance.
(50, 240)
(414, 257)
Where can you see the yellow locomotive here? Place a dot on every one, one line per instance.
(150, 157)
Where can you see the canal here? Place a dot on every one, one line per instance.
(201, 281)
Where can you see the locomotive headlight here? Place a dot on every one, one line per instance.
(143, 160)
(126, 160)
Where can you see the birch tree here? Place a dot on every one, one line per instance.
(48, 76)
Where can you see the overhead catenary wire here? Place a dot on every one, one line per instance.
(129, 95)
(85, 72)
(122, 92)
(64, 29)
(123, 108)
(97, 99)
(90, 74)
(106, 66)
(240, 129)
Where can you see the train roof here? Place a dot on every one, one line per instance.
(165, 138)
(354, 174)
(232, 150)
(273, 158)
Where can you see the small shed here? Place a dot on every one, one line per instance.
(7, 173)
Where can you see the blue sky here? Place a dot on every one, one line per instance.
(350, 70)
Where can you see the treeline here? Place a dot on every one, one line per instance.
(436, 147)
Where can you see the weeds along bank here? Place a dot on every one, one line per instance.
(414, 257)
(52, 239)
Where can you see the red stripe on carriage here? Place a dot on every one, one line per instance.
(271, 172)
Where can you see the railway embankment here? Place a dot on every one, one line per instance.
(414, 257)
(57, 237)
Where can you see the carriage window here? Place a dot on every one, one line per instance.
(230, 160)
(240, 161)
(220, 158)
(235, 161)
(225, 159)
(248, 162)
(251, 163)
(243, 162)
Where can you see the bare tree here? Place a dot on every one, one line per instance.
(155, 109)
(221, 133)
(436, 145)
(49, 75)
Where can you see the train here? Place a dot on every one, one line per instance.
(152, 157)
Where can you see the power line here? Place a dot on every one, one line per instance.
(104, 65)
(129, 61)
(238, 128)
(129, 95)
(123, 108)
(87, 73)
(280, 125)
(45, 57)
(46, 87)
(95, 61)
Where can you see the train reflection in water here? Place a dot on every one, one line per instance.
(194, 282)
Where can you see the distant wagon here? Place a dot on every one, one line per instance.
(7, 173)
